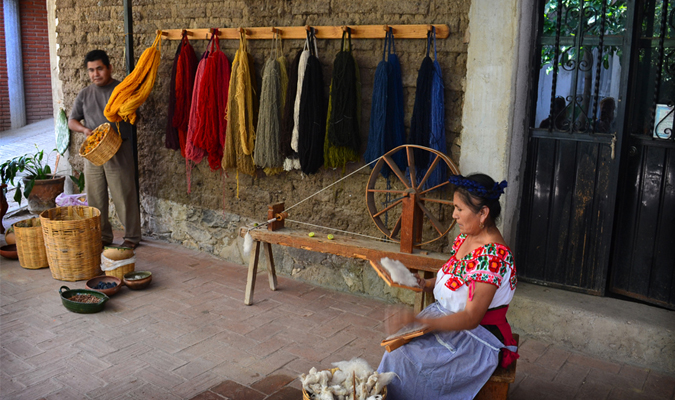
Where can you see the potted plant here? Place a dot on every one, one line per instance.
(40, 187)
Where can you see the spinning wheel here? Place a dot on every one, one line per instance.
(408, 218)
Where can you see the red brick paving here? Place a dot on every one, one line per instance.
(189, 336)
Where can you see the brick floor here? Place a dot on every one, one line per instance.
(189, 336)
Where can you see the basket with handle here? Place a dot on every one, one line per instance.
(72, 238)
(30, 244)
(101, 145)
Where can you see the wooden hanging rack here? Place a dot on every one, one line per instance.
(321, 32)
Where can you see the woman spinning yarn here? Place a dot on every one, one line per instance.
(467, 323)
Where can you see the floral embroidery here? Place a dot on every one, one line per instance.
(488, 264)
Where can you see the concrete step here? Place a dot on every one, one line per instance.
(603, 327)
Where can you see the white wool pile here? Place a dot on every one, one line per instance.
(248, 243)
(353, 380)
(399, 273)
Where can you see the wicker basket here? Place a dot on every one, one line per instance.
(30, 244)
(73, 240)
(106, 148)
(305, 395)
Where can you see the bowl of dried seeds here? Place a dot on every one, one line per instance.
(82, 301)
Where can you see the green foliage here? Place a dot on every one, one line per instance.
(615, 21)
(34, 165)
(78, 180)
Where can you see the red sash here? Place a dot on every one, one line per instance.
(497, 317)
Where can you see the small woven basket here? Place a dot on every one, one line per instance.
(72, 238)
(30, 244)
(305, 395)
(119, 272)
(105, 149)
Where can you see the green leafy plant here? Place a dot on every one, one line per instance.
(78, 180)
(34, 165)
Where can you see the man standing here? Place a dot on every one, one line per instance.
(118, 173)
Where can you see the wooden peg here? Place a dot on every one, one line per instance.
(386, 28)
(274, 30)
(345, 28)
(308, 28)
(429, 28)
(242, 30)
(161, 32)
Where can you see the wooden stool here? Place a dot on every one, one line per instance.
(497, 388)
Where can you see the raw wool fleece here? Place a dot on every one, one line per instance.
(136, 87)
(399, 273)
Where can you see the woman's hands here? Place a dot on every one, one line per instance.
(426, 285)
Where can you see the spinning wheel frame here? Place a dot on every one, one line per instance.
(408, 228)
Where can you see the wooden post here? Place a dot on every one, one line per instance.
(271, 271)
(252, 271)
(272, 211)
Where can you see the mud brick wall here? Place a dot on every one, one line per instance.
(35, 52)
(5, 122)
(209, 216)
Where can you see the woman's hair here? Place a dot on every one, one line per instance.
(478, 191)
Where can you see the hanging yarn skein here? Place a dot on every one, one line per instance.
(210, 133)
(343, 142)
(291, 161)
(136, 87)
(240, 133)
(267, 152)
(171, 140)
(302, 70)
(437, 140)
(387, 130)
(194, 154)
(420, 124)
(312, 121)
(185, 82)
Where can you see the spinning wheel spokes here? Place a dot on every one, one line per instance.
(409, 218)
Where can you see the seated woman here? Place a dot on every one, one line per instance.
(468, 320)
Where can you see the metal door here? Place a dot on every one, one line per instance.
(572, 170)
(643, 260)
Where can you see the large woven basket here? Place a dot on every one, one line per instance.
(73, 241)
(105, 149)
(30, 245)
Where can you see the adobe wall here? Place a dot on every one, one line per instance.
(208, 218)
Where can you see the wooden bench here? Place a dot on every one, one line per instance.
(497, 388)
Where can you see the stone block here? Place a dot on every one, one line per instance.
(306, 7)
(98, 14)
(99, 39)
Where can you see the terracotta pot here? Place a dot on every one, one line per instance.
(3, 207)
(44, 193)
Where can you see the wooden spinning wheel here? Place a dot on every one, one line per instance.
(413, 223)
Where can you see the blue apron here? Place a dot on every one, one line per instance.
(442, 365)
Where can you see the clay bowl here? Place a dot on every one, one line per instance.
(9, 251)
(82, 308)
(91, 284)
(137, 280)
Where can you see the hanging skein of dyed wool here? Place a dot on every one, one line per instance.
(312, 121)
(185, 82)
(420, 124)
(240, 133)
(171, 140)
(136, 87)
(210, 134)
(194, 154)
(386, 117)
(437, 140)
(291, 160)
(343, 142)
(267, 153)
(302, 69)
